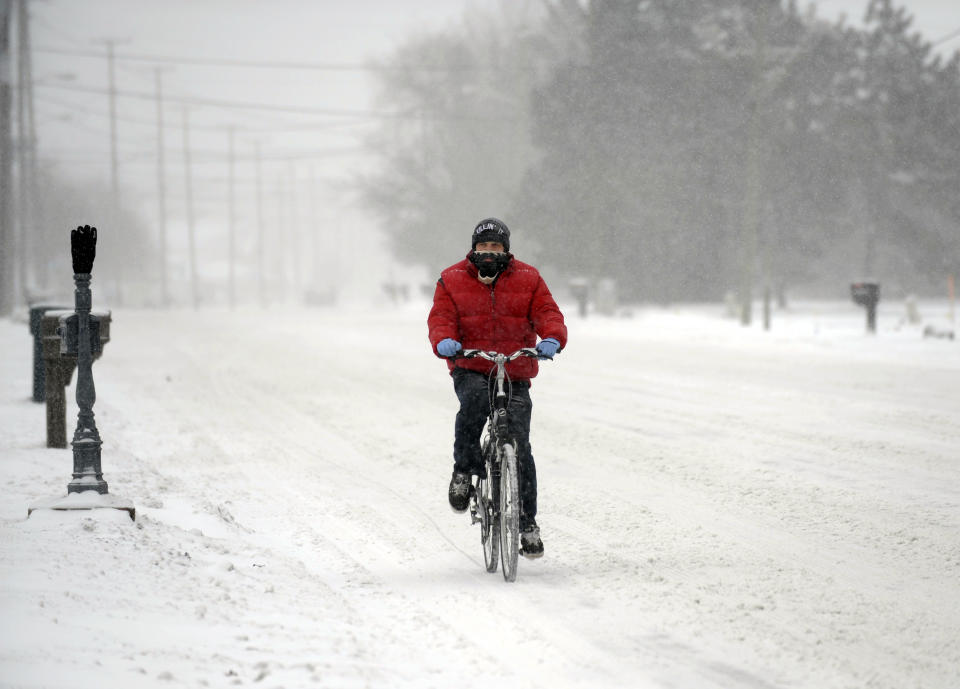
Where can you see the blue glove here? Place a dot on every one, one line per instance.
(448, 347)
(547, 348)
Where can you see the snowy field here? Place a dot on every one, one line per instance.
(721, 508)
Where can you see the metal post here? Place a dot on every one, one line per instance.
(80, 337)
(87, 474)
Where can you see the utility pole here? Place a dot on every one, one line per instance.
(190, 226)
(231, 222)
(115, 173)
(295, 233)
(754, 182)
(282, 239)
(951, 296)
(314, 229)
(23, 185)
(261, 283)
(161, 192)
(33, 222)
(112, 91)
(7, 237)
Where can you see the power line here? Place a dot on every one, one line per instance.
(205, 157)
(230, 105)
(300, 110)
(953, 34)
(279, 128)
(255, 64)
(219, 157)
(83, 109)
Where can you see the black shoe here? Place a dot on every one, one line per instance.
(531, 546)
(459, 491)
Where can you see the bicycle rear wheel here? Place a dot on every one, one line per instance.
(509, 511)
(487, 499)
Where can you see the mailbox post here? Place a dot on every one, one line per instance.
(867, 294)
(59, 363)
(57, 374)
(80, 336)
(580, 289)
(86, 438)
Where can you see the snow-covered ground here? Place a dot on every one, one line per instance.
(721, 508)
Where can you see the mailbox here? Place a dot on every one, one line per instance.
(580, 289)
(68, 329)
(867, 294)
(36, 317)
(59, 334)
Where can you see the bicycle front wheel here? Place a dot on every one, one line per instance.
(509, 511)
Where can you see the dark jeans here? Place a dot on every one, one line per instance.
(471, 389)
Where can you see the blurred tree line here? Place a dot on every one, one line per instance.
(683, 148)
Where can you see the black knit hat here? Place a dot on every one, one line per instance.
(491, 230)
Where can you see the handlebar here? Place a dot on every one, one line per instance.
(492, 356)
(500, 360)
(497, 357)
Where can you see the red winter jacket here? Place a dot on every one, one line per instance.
(502, 317)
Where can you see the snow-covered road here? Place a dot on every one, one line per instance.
(721, 507)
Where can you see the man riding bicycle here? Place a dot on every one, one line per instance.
(493, 302)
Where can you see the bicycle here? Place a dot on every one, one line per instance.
(495, 497)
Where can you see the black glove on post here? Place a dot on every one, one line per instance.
(83, 246)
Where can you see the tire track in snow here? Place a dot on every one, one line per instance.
(561, 649)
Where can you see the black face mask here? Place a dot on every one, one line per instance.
(489, 263)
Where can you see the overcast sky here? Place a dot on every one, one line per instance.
(935, 19)
(334, 33)
(311, 31)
